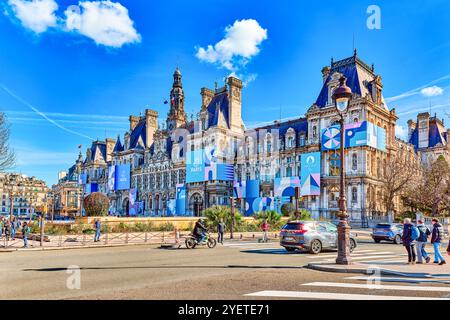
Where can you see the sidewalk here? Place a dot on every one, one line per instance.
(393, 268)
(59, 242)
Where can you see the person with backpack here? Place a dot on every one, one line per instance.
(437, 235)
(410, 235)
(421, 242)
(25, 233)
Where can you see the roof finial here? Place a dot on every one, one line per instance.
(215, 85)
(332, 61)
(355, 52)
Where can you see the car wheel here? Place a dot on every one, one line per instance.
(290, 249)
(316, 247)
(397, 239)
(377, 240)
(352, 245)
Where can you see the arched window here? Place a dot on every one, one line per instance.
(355, 161)
(288, 172)
(354, 194)
(314, 133)
(335, 163)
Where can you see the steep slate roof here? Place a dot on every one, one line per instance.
(299, 125)
(118, 147)
(218, 109)
(435, 136)
(140, 131)
(98, 149)
(358, 74)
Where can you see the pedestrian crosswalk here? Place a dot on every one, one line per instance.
(327, 291)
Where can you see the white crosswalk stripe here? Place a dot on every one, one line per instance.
(355, 254)
(333, 296)
(376, 289)
(402, 279)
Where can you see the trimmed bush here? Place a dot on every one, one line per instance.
(272, 217)
(96, 204)
(215, 213)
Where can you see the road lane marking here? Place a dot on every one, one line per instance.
(401, 279)
(369, 258)
(332, 296)
(376, 287)
(354, 254)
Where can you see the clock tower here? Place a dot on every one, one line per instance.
(176, 116)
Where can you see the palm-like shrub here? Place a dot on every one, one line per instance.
(273, 218)
(287, 209)
(303, 215)
(96, 204)
(215, 213)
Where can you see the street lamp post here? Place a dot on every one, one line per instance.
(232, 217)
(341, 97)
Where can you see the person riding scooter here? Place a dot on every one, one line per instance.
(199, 231)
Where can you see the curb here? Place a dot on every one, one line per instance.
(363, 270)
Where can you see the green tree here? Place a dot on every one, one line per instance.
(7, 155)
(215, 213)
(96, 204)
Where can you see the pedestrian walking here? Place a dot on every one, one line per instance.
(2, 227)
(7, 229)
(97, 226)
(25, 233)
(13, 228)
(410, 235)
(424, 233)
(437, 235)
(220, 231)
(265, 229)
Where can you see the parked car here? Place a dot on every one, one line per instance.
(312, 236)
(388, 232)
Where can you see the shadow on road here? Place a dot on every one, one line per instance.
(168, 267)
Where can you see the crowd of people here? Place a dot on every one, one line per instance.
(415, 238)
(10, 227)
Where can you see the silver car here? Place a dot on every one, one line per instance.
(312, 236)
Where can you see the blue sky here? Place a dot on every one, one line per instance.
(67, 77)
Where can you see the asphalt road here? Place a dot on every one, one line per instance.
(232, 271)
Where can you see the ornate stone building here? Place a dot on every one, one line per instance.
(158, 155)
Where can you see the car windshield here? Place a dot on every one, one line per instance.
(293, 226)
(383, 226)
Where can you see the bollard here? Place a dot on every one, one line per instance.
(240, 236)
(60, 241)
(146, 237)
(126, 237)
(177, 236)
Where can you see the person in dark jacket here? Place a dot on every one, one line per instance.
(437, 235)
(220, 231)
(408, 241)
(199, 230)
(98, 228)
(424, 233)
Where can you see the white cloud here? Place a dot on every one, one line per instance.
(401, 132)
(240, 44)
(432, 91)
(105, 22)
(36, 15)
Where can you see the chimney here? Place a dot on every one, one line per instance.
(325, 73)
(411, 127)
(110, 143)
(235, 104)
(151, 122)
(423, 125)
(207, 96)
(134, 120)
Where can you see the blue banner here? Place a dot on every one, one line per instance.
(252, 189)
(123, 172)
(180, 198)
(195, 166)
(310, 174)
(111, 178)
(285, 187)
(357, 134)
(82, 178)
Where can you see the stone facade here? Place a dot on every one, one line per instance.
(157, 155)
